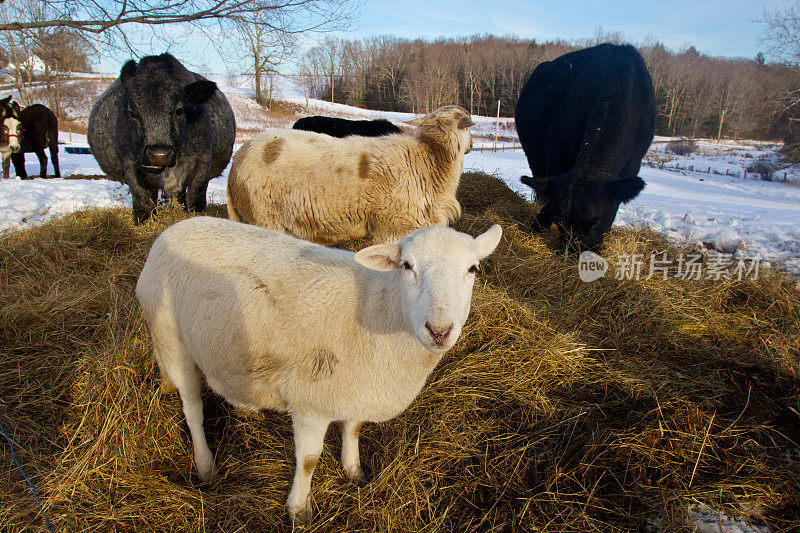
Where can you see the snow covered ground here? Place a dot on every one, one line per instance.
(734, 215)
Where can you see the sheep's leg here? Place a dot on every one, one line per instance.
(309, 435)
(188, 381)
(166, 383)
(350, 458)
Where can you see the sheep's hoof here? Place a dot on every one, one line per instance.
(358, 476)
(301, 516)
(206, 471)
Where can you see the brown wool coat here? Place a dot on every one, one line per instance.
(330, 190)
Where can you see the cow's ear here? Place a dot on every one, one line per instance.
(5, 101)
(128, 70)
(15, 109)
(539, 184)
(626, 189)
(199, 92)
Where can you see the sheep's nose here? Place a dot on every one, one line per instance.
(439, 334)
(159, 155)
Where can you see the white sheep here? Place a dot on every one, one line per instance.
(328, 190)
(274, 322)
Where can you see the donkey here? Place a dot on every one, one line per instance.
(11, 132)
(39, 131)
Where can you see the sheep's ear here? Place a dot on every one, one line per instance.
(416, 122)
(488, 241)
(383, 257)
(465, 122)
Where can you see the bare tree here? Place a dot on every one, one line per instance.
(29, 26)
(782, 34)
(101, 16)
(265, 50)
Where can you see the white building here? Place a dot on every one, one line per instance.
(33, 62)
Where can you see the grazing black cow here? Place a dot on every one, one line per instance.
(31, 129)
(585, 120)
(161, 127)
(340, 127)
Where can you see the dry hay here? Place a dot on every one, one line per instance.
(565, 406)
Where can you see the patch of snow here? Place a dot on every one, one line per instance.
(30, 202)
(743, 217)
(708, 520)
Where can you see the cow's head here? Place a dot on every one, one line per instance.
(11, 125)
(157, 108)
(582, 210)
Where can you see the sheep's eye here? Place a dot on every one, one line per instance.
(406, 265)
(473, 269)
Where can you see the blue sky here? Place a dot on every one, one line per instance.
(715, 27)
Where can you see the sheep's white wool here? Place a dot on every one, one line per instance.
(273, 322)
(329, 190)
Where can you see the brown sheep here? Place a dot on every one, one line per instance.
(330, 190)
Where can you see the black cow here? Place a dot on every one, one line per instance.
(160, 126)
(585, 120)
(340, 127)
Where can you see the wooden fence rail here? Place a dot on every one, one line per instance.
(709, 170)
(500, 147)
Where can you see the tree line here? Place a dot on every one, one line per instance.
(697, 95)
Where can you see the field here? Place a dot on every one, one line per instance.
(617, 405)
(706, 202)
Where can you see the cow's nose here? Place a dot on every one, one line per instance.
(159, 155)
(439, 334)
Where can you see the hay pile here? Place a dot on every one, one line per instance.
(565, 406)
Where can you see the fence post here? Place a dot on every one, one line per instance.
(497, 130)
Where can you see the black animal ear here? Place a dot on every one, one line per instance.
(625, 189)
(199, 92)
(539, 184)
(128, 70)
(15, 109)
(5, 101)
